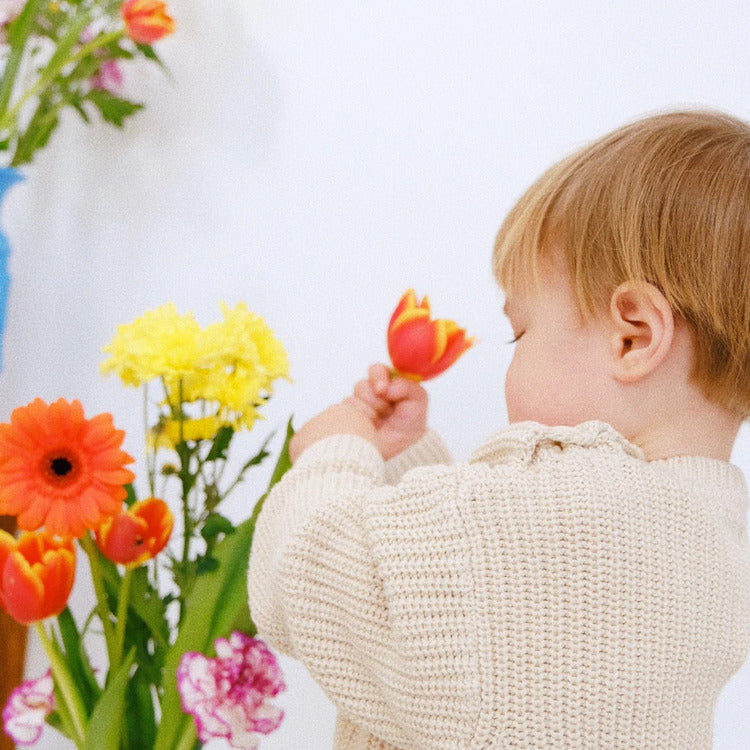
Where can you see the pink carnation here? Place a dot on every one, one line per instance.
(108, 77)
(229, 696)
(27, 708)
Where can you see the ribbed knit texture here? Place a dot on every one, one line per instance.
(557, 591)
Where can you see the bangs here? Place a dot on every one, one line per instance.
(523, 238)
(545, 227)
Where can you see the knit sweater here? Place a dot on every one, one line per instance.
(557, 591)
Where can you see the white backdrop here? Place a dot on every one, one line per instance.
(316, 159)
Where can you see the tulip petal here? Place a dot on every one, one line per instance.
(37, 577)
(413, 346)
(457, 344)
(22, 589)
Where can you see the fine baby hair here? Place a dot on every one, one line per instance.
(664, 200)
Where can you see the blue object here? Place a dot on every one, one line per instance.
(8, 177)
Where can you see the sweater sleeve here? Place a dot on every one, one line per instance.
(429, 450)
(317, 590)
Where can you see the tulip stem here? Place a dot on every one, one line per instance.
(74, 709)
(122, 618)
(101, 595)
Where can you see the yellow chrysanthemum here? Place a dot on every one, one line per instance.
(243, 340)
(201, 428)
(161, 343)
(229, 367)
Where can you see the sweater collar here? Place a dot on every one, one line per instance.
(520, 440)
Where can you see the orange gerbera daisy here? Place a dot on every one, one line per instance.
(61, 470)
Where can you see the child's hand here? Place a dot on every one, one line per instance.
(392, 414)
(396, 407)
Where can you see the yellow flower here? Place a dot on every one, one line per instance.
(201, 428)
(243, 341)
(161, 343)
(229, 367)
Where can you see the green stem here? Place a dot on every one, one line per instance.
(184, 479)
(64, 680)
(150, 451)
(19, 35)
(122, 618)
(58, 62)
(101, 595)
(103, 40)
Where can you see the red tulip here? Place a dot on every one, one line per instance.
(137, 534)
(421, 348)
(36, 575)
(146, 21)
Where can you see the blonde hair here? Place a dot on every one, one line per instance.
(665, 200)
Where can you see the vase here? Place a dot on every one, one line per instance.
(8, 177)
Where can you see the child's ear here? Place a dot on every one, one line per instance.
(642, 330)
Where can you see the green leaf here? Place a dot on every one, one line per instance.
(131, 497)
(284, 463)
(140, 718)
(105, 726)
(112, 108)
(258, 457)
(79, 666)
(221, 443)
(206, 564)
(55, 721)
(36, 136)
(81, 111)
(149, 606)
(148, 52)
(216, 524)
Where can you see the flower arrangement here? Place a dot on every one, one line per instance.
(68, 53)
(170, 588)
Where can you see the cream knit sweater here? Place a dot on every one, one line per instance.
(557, 591)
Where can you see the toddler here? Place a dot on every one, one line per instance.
(583, 582)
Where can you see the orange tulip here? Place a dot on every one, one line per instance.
(137, 534)
(36, 575)
(146, 21)
(421, 348)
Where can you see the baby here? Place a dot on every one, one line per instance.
(584, 580)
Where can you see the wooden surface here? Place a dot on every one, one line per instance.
(12, 650)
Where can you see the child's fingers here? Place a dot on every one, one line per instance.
(365, 392)
(380, 377)
(403, 389)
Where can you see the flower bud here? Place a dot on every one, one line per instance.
(36, 575)
(137, 534)
(421, 348)
(146, 21)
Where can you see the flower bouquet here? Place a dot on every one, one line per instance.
(68, 53)
(171, 601)
(59, 54)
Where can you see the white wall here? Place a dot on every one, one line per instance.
(314, 160)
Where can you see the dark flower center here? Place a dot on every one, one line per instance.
(61, 466)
